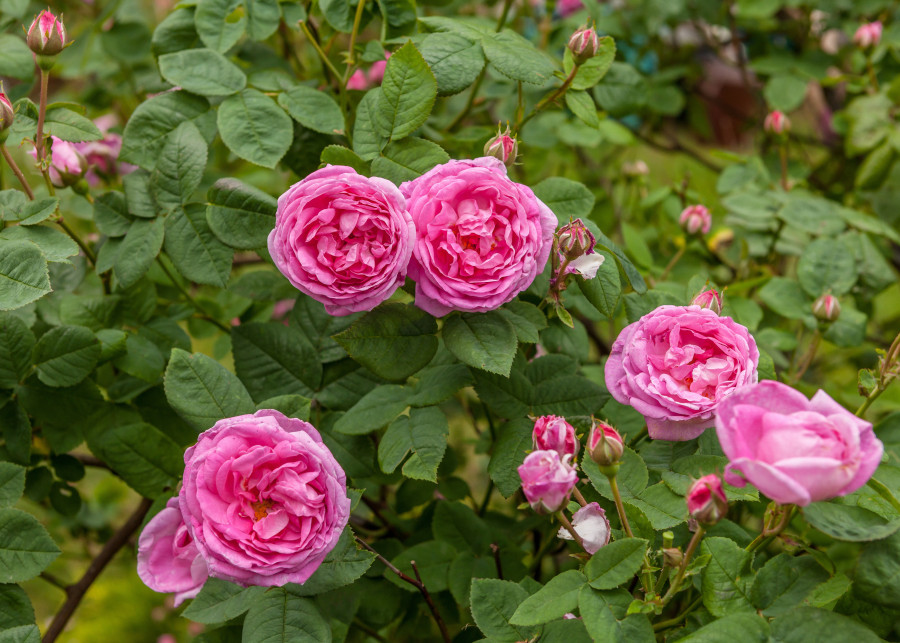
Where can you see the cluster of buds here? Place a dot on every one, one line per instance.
(827, 308)
(7, 113)
(503, 146)
(606, 447)
(777, 124)
(868, 35)
(46, 37)
(706, 501)
(709, 298)
(696, 219)
(584, 45)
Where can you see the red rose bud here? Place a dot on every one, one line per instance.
(553, 433)
(709, 299)
(827, 308)
(47, 34)
(584, 45)
(7, 113)
(695, 219)
(503, 147)
(777, 123)
(605, 446)
(868, 35)
(706, 500)
(575, 240)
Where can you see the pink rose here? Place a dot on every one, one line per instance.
(264, 499)
(695, 219)
(868, 34)
(343, 239)
(590, 522)
(103, 156)
(67, 164)
(481, 238)
(547, 480)
(358, 81)
(376, 71)
(47, 35)
(794, 450)
(676, 364)
(167, 558)
(776, 123)
(706, 501)
(553, 433)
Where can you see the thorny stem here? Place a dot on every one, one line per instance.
(15, 168)
(682, 568)
(191, 300)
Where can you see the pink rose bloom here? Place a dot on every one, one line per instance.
(706, 501)
(547, 480)
(167, 558)
(777, 123)
(868, 34)
(264, 499)
(591, 524)
(376, 71)
(343, 239)
(67, 165)
(358, 81)
(553, 433)
(605, 444)
(103, 156)
(676, 364)
(696, 218)
(794, 450)
(481, 238)
(568, 7)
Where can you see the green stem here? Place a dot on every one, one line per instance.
(325, 60)
(884, 492)
(351, 52)
(562, 89)
(190, 299)
(81, 244)
(15, 168)
(676, 620)
(501, 21)
(807, 359)
(678, 255)
(565, 523)
(682, 568)
(769, 533)
(620, 507)
(39, 134)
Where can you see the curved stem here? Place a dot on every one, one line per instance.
(677, 619)
(15, 168)
(692, 547)
(568, 525)
(620, 507)
(81, 244)
(351, 51)
(769, 532)
(39, 133)
(562, 89)
(579, 497)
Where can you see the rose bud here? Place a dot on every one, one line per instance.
(591, 524)
(574, 240)
(503, 147)
(46, 35)
(827, 308)
(673, 556)
(67, 164)
(547, 480)
(553, 433)
(696, 218)
(777, 123)
(868, 35)
(706, 500)
(709, 298)
(605, 446)
(584, 45)
(7, 113)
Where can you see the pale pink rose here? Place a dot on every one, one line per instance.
(706, 501)
(795, 450)
(591, 525)
(553, 433)
(358, 81)
(868, 34)
(343, 239)
(67, 164)
(676, 364)
(264, 499)
(103, 156)
(777, 123)
(168, 559)
(481, 238)
(584, 44)
(547, 480)
(696, 218)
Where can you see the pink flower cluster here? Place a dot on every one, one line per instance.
(363, 80)
(470, 237)
(262, 503)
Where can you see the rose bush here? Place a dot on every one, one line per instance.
(413, 321)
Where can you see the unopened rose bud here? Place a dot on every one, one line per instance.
(575, 240)
(706, 500)
(695, 219)
(553, 433)
(827, 308)
(777, 123)
(709, 298)
(634, 169)
(584, 45)
(7, 113)
(868, 35)
(504, 147)
(606, 447)
(673, 556)
(47, 34)
(547, 480)
(67, 164)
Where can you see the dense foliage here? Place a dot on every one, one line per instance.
(745, 146)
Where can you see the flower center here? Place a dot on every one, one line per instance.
(261, 509)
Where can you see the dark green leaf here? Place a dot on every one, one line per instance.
(407, 94)
(255, 128)
(65, 355)
(274, 359)
(202, 71)
(483, 340)
(313, 109)
(193, 248)
(493, 604)
(241, 215)
(422, 434)
(25, 546)
(615, 563)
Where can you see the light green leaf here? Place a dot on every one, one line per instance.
(255, 128)
(455, 61)
(313, 109)
(24, 276)
(554, 600)
(407, 94)
(202, 71)
(615, 563)
(219, 23)
(567, 198)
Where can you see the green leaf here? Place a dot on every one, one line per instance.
(263, 17)
(514, 439)
(527, 319)
(150, 124)
(202, 71)
(24, 276)
(458, 525)
(340, 155)
(343, 565)
(175, 32)
(605, 289)
(56, 245)
(517, 58)
(16, 344)
(407, 94)
(433, 558)
(17, 610)
(558, 597)
(827, 265)
(279, 617)
(622, 91)
(849, 522)
(632, 477)
(12, 483)
(111, 214)
(605, 615)
(784, 582)
(631, 273)
(454, 60)
(294, 406)
(785, 92)
(255, 128)
(25, 546)
(21, 634)
(139, 249)
(408, 159)
(727, 577)
(567, 198)
(483, 340)
(393, 341)
(582, 105)
(662, 507)
(65, 355)
(221, 601)
(786, 297)
(423, 435)
(368, 141)
(338, 13)
(15, 429)
(138, 194)
(16, 60)
(493, 604)
(38, 210)
(319, 327)
(216, 25)
(239, 214)
(736, 628)
(274, 359)
(878, 572)
(202, 391)
(810, 625)
(594, 69)
(70, 126)
(193, 248)
(180, 166)
(615, 563)
(313, 109)
(875, 168)
(374, 410)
